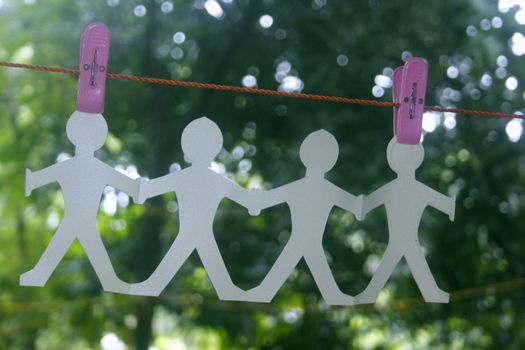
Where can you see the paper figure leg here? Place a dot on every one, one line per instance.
(423, 276)
(391, 258)
(178, 253)
(281, 269)
(220, 278)
(316, 261)
(55, 251)
(99, 258)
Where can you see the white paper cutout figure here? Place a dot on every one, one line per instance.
(310, 200)
(199, 192)
(405, 198)
(82, 180)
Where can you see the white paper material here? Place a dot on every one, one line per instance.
(82, 180)
(310, 200)
(199, 192)
(405, 198)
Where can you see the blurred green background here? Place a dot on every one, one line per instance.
(347, 48)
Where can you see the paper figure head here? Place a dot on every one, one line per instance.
(404, 158)
(319, 152)
(201, 141)
(87, 131)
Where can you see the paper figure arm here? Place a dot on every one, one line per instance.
(247, 198)
(374, 200)
(156, 187)
(41, 177)
(121, 181)
(441, 202)
(254, 200)
(270, 198)
(348, 202)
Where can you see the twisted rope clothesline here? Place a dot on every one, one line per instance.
(401, 304)
(193, 84)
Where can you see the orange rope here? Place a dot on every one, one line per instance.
(247, 90)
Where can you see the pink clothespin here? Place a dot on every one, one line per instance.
(409, 88)
(94, 53)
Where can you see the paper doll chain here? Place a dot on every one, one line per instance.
(193, 84)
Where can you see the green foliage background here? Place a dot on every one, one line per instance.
(479, 258)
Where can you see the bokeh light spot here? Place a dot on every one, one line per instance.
(406, 55)
(342, 60)
(249, 81)
(430, 121)
(452, 72)
(517, 44)
(520, 17)
(497, 22)
(213, 8)
(486, 80)
(166, 7)
(450, 121)
(177, 53)
(140, 10)
(179, 37)
(471, 31)
(502, 61)
(378, 91)
(383, 81)
(514, 130)
(501, 72)
(511, 83)
(266, 21)
(110, 341)
(485, 24)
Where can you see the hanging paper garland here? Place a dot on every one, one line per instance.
(200, 190)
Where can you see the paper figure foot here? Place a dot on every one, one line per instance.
(341, 300)
(32, 278)
(437, 296)
(117, 287)
(364, 298)
(257, 295)
(144, 289)
(234, 294)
